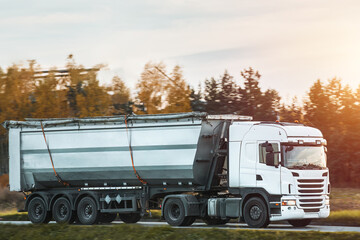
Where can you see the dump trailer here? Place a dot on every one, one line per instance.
(189, 165)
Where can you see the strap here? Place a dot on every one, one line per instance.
(131, 155)
(51, 159)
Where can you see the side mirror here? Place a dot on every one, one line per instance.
(270, 159)
(268, 146)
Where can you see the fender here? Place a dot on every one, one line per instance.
(63, 194)
(246, 193)
(45, 196)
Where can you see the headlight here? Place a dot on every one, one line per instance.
(288, 203)
(327, 201)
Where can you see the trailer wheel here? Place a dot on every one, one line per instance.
(87, 211)
(174, 212)
(37, 211)
(300, 222)
(107, 217)
(130, 217)
(62, 211)
(255, 213)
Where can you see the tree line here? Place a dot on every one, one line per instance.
(332, 107)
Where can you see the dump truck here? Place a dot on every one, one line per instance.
(188, 165)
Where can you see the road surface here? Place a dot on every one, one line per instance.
(275, 227)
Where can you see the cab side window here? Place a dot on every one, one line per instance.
(262, 153)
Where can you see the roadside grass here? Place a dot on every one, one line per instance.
(343, 218)
(13, 215)
(124, 231)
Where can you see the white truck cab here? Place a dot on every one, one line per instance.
(287, 162)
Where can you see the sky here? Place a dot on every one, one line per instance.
(292, 43)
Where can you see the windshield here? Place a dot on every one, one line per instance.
(304, 157)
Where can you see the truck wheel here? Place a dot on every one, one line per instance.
(87, 211)
(255, 213)
(130, 217)
(37, 211)
(174, 212)
(300, 222)
(189, 220)
(62, 211)
(215, 221)
(107, 217)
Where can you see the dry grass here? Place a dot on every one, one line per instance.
(10, 200)
(345, 199)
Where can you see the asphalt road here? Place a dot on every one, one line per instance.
(275, 227)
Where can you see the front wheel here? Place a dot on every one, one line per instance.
(174, 212)
(300, 222)
(255, 213)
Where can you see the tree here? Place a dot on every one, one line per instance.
(334, 109)
(120, 97)
(253, 102)
(292, 112)
(196, 100)
(229, 94)
(161, 93)
(177, 93)
(151, 88)
(49, 98)
(93, 100)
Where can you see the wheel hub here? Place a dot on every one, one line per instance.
(88, 211)
(175, 212)
(38, 210)
(255, 212)
(63, 211)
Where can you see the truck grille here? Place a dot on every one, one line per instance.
(311, 192)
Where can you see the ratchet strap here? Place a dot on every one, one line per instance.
(51, 159)
(131, 155)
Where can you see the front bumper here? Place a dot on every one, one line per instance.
(297, 212)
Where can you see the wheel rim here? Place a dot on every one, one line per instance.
(38, 210)
(175, 212)
(88, 211)
(63, 211)
(255, 212)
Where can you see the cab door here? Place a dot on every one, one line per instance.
(268, 177)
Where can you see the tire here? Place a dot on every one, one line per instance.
(189, 220)
(130, 217)
(215, 221)
(62, 211)
(107, 217)
(87, 211)
(300, 222)
(37, 211)
(256, 213)
(174, 212)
